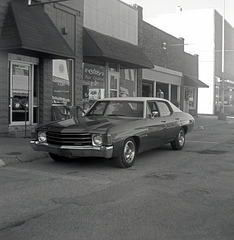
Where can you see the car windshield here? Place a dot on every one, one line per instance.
(117, 108)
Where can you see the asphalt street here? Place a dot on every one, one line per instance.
(167, 194)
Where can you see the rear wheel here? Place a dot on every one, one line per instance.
(127, 157)
(58, 158)
(179, 141)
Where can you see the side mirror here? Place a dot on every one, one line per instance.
(154, 114)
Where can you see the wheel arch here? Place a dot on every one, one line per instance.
(118, 145)
(185, 128)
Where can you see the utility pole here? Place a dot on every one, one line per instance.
(222, 115)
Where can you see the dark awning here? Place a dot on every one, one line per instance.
(106, 48)
(29, 30)
(194, 82)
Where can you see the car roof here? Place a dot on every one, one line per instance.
(131, 99)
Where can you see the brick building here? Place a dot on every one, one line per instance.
(175, 72)
(203, 32)
(41, 61)
(75, 52)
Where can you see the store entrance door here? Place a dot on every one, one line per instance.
(113, 81)
(20, 93)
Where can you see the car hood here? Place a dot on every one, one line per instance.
(86, 124)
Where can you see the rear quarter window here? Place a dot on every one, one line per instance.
(163, 108)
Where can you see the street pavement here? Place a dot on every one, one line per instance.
(18, 150)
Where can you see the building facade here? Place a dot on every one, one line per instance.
(175, 72)
(75, 52)
(202, 30)
(41, 61)
(112, 57)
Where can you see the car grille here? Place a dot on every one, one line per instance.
(71, 139)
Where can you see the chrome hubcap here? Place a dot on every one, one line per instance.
(181, 138)
(129, 151)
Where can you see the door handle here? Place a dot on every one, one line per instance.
(163, 121)
(177, 119)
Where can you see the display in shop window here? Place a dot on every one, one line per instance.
(61, 82)
(190, 96)
(127, 83)
(124, 92)
(96, 93)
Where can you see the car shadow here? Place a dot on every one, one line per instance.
(85, 162)
(103, 163)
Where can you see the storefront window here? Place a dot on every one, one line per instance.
(62, 81)
(93, 84)
(162, 90)
(127, 83)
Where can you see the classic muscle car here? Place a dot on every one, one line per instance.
(116, 128)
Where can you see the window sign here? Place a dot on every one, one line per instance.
(93, 83)
(61, 82)
(94, 75)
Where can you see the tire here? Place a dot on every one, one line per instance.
(57, 158)
(179, 141)
(127, 157)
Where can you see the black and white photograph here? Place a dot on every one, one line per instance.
(116, 120)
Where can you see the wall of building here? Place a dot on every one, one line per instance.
(229, 51)
(167, 53)
(163, 49)
(68, 18)
(4, 86)
(113, 18)
(197, 27)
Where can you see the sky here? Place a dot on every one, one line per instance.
(153, 8)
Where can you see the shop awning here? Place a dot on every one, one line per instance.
(29, 30)
(194, 82)
(109, 49)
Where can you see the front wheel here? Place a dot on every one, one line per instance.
(127, 157)
(179, 141)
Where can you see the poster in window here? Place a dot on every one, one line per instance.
(61, 83)
(94, 75)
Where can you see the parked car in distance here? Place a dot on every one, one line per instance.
(115, 128)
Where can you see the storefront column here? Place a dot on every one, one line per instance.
(139, 82)
(45, 90)
(78, 85)
(4, 92)
(178, 96)
(169, 92)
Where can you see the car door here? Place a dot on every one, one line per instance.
(155, 128)
(170, 120)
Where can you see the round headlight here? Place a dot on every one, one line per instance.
(97, 139)
(42, 137)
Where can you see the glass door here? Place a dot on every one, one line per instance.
(113, 82)
(20, 93)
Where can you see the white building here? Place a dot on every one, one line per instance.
(202, 31)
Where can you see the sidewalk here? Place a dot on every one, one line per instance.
(13, 150)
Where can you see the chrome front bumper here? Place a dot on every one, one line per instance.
(73, 151)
